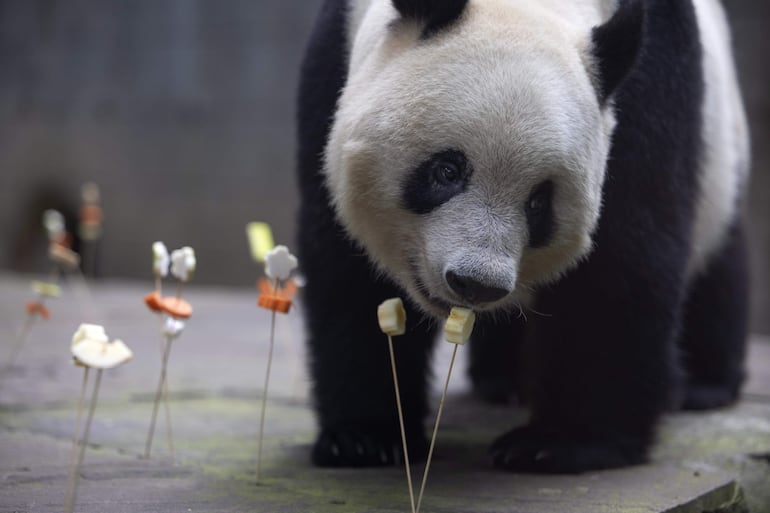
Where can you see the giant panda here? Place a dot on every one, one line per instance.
(571, 170)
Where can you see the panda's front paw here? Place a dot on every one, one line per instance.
(365, 448)
(527, 449)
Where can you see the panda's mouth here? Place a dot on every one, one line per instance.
(436, 305)
(439, 305)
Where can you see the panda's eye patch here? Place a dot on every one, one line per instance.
(539, 211)
(435, 181)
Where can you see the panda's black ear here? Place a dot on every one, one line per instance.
(616, 45)
(434, 14)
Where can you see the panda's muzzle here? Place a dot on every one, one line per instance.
(473, 291)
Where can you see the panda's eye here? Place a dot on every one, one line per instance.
(536, 203)
(539, 211)
(436, 180)
(446, 173)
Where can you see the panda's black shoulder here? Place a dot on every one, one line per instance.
(657, 142)
(322, 77)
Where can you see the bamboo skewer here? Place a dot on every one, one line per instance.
(435, 429)
(91, 349)
(69, 505)
(279, 264)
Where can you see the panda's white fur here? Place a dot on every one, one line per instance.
(537, 117)
(724, 165)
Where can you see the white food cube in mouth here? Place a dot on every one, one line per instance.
(392, 317)
(459, 325)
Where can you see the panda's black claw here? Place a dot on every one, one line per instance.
(526, 449)
(359, 448)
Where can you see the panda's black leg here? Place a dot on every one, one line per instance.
(713, 342)
(494, 348)
(600, 369)
(349, 361)
(349, 358)
(353, 384)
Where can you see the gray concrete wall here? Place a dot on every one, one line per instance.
(183, 112)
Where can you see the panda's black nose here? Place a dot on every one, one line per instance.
(472, 290)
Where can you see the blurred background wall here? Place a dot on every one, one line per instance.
(183, 112)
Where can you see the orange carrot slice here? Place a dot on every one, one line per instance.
(35, 307)
(275, 303)
(153, 301)
(91, 214)
(266, 286)
(176, 307)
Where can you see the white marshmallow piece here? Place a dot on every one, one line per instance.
(459, 325)
(279, 263)
(160, 259)
(92, 348)
(53, 221)
(183, 263)
(101, 355)
(172, 328)
(93, 332)
(392, 317)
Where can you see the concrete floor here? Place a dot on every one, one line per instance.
(717, 461)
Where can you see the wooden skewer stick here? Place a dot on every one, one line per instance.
(90, 348)
(70, 505)
(169, 430)
(158, 395)
(23, 332)
(75, 439)
(267, 383)
(401, 423)
(278, 266)
(392, 319)
(182, 266)
(21, 337)
(435, 430)
(457, 330)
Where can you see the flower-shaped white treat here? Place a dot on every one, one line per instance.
(172, 328)
(183, 263)
(92, 348)
(53, 221)
(279, 263)
(160, 259)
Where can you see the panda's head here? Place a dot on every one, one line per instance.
(469, 146)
